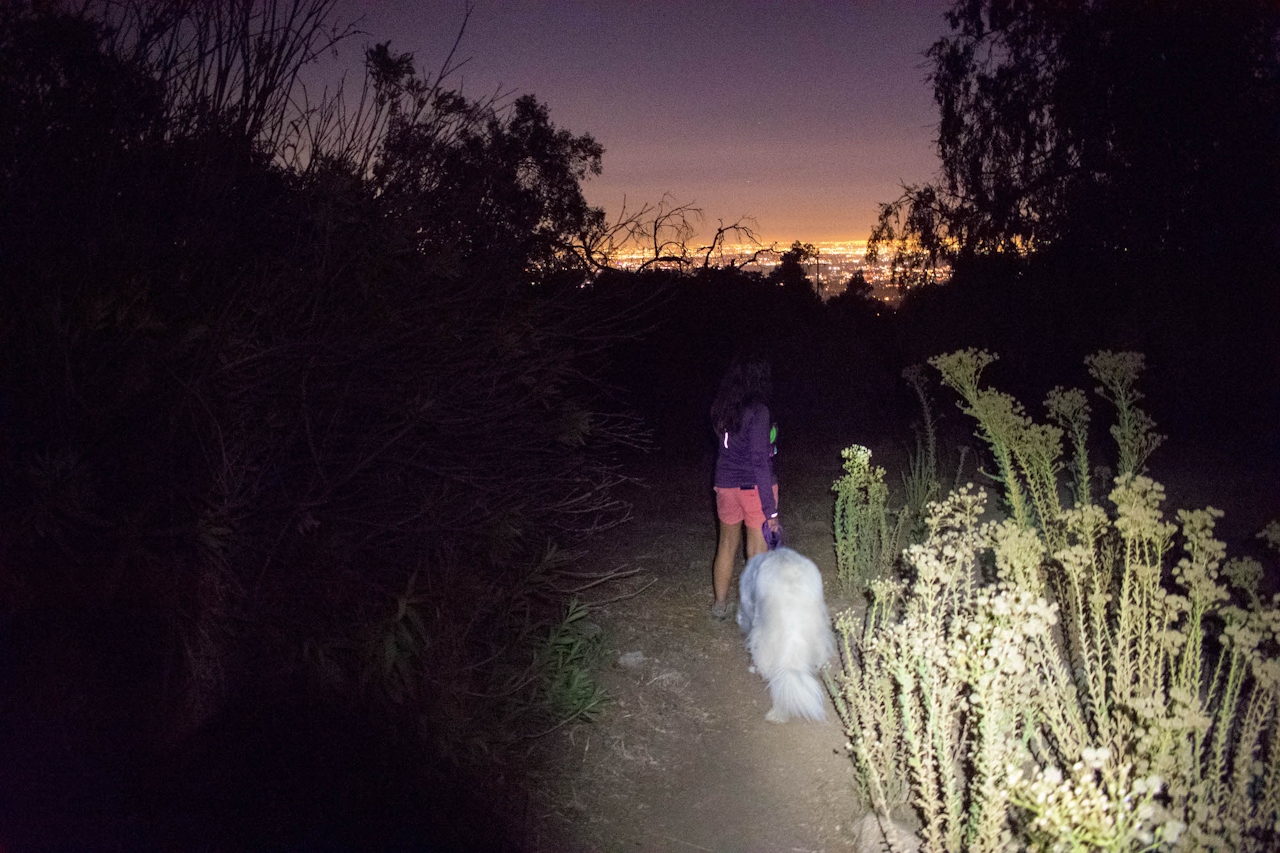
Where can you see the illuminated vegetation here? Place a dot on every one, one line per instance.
(1059, 679)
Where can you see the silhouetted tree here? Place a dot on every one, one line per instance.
(790, 272)
(1112, 124)
(857, 287)
(498, 189)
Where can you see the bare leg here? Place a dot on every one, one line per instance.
(726, 553)
(755, 536)
(755, 541)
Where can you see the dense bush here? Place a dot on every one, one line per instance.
(278, 423)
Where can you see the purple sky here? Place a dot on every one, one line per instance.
(802, 115)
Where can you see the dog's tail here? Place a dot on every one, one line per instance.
(796, 693)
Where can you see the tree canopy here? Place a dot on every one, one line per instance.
(1146, 126)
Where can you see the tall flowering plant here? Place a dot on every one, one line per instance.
(1062, 679)
(866, 541)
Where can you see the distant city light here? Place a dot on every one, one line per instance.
(830, 272)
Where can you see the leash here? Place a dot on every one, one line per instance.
(772, 538)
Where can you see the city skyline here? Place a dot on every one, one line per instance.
(830, 271)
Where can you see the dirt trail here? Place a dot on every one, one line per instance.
(682, 759)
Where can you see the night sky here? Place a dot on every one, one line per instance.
(802, 115)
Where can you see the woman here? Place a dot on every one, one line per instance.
(746, 491)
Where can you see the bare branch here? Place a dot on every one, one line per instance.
(742, 228)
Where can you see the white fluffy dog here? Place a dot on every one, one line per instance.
(782, 611)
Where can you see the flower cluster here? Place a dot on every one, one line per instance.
(1092, 649)
(1099, 806)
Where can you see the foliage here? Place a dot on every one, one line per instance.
(912, 231)
(1069, 410)
(869, 535)
(1103, 124)
(489, 189)
(790, 274)
(539, 673)
(920, 480)
(1133, 431)
(1025, 453)
(866, 542)
(288, 416)
(1083, 697)
(566, 659)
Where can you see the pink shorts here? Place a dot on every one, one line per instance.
(736, 505)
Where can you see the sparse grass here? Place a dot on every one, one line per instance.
(567, 660)
(920, 480)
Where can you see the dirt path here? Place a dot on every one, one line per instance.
(682, 759)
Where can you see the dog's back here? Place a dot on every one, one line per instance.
(782, 610)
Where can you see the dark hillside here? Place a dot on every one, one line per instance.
(287, 443)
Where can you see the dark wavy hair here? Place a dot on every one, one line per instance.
(749, 380)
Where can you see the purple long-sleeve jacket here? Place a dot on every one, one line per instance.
(745, 457)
